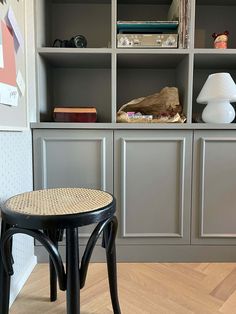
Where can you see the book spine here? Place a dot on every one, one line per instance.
(75, 117)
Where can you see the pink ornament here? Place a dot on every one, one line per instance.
(220, 40)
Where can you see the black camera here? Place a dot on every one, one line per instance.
(78, 41)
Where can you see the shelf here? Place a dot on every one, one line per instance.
(83, 1)
(65, 19)
(149, 10)
(106, 77)
(159, 2)
(70, 79)
(214, 60)
(214, 17)
(214, 51)
(127, 126)
(206, 64)
(77, 57)
(149, 60)
(216, 2)
(147, 51)
(140, 75)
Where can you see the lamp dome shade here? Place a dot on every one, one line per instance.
(218, 86)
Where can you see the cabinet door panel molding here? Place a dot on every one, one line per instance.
(102, 145)
(204, 142)
(214, 182)
(152, 185)
(124, 143)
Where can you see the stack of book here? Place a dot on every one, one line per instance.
(78, 114)
(180, 10)
(173, 32)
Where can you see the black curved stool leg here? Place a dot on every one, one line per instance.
(4, 278)
(53, 275)
(109, 236)
(55, 235)
(53, 281)
(72, 271)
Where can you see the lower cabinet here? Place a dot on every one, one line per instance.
(214, 188)
(175, 189)
(152, 175)
(73, 158)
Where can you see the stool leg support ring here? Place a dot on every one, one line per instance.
(44, 240)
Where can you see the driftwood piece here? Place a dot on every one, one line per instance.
(167, 100)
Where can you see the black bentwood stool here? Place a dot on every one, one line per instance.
(44, 214)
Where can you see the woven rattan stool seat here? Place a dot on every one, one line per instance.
(59, 207)
(63, 201)
(49, 215)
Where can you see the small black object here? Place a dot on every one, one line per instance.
(78, 41)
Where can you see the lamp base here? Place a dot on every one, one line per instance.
(218, 112)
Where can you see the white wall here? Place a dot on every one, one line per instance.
(16, 177)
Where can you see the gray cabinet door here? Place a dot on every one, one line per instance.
(214, 187)
(152, 178)
(73, 158)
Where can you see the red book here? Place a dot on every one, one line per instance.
(75, 114)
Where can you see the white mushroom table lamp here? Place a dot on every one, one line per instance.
(217, 92)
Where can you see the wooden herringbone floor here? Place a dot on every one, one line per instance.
(144, 289)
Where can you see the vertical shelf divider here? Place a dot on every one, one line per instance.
(190, 86)
(113, 61)
(114, 86)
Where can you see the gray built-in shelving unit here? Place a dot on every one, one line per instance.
(106, 77)
(174, 183)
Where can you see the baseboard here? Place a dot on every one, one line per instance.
(18, 285)
(157, 253)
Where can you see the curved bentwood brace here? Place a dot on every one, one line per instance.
(109, 229)
(91, 244)
(44, 240)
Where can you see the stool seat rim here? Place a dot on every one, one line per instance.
(74, 219)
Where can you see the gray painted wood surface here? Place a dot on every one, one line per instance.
(158, 253)
(152, 182)
(214, 181)
(152, 185)
(132, 72)
(73, 159)
(108, 77)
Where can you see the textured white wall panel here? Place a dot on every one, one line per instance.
(15, 178)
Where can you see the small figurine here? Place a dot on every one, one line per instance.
(220, 40)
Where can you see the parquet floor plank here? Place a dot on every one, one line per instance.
(155, 288)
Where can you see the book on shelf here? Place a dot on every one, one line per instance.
(75, 114)
(131, 26)
(180, 10)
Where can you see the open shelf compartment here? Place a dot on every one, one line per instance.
(214, 17)
(77, 84)
(65, 19)
(203, 67)
(155, 10)
(141, 75)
